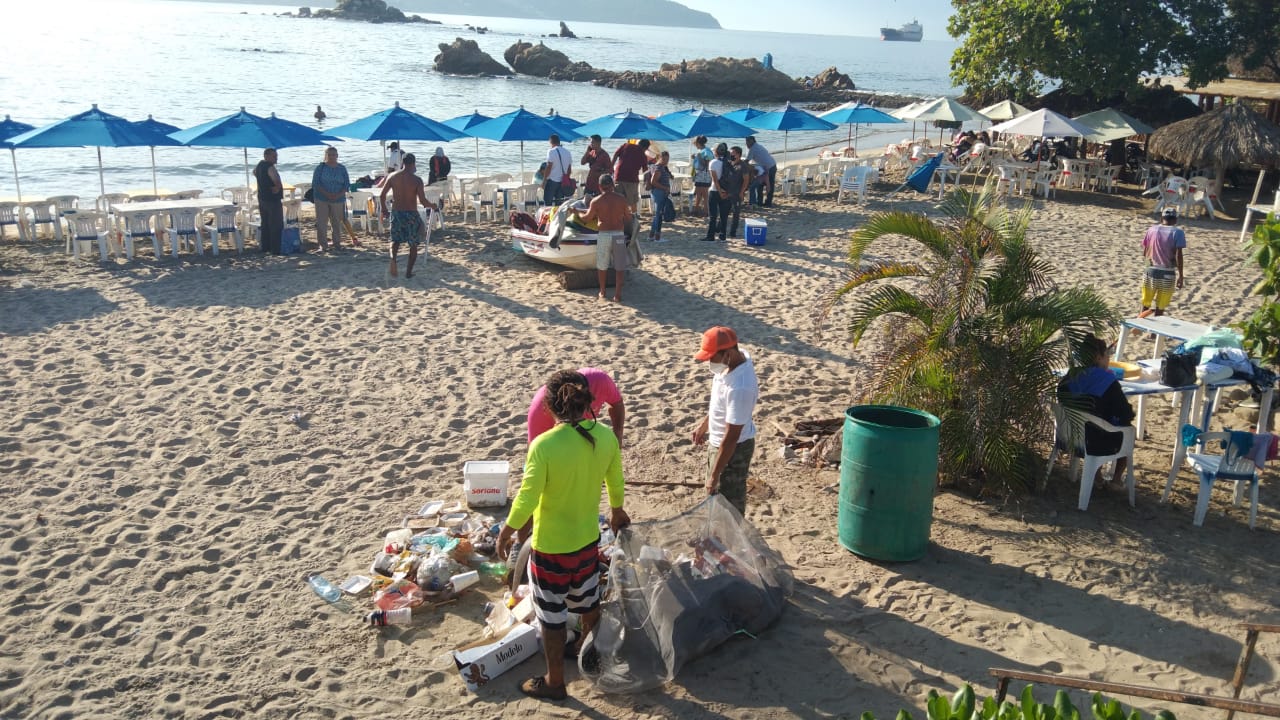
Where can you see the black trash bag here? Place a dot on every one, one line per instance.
(678, 588)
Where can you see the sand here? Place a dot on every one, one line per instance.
(161, 507)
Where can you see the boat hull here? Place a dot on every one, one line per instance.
(911, 32)
(576, 252)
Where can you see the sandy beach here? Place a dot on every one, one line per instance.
(161, 507)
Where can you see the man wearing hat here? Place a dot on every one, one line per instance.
(1162, 247)
(728, 428)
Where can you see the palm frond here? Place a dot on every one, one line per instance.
(887, 300)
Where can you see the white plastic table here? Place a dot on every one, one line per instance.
(1248, 216)
(942, 173)
(1163, 326)
(163, 207)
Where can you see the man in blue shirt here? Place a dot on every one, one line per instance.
(762, 188)
(329, 183)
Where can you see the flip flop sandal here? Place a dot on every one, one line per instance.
(537, 687)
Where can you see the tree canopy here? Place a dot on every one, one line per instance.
(1016, 48)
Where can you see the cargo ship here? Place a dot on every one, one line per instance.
(911, 32)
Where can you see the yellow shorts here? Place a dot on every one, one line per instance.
(1157, 287)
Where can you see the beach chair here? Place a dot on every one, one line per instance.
(854, 183)
(435, 194)
(1172, 193)
(299, 190)
(104, 202)
(1068, 437)
(239, 195)
(184, 229)
(1200, 195)
(1231, 466)
(1106, 179)
(42, 213)
(87, 227)
(226, 221)
(11, 213)
(292, 212)
(1045, 182)
(360, 203)
(137, 224)
(791, 180)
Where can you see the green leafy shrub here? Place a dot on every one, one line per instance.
(964, 706)
(1261, 331)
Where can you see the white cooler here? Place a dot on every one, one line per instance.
(484, 482)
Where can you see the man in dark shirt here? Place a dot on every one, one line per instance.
(270, 197)
(629, 161)
(1093, 388)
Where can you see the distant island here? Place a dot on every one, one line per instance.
(649, 12)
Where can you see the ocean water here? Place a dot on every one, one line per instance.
(189, 62)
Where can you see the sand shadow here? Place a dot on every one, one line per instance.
(26, 311)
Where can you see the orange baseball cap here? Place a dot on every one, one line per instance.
(714, 340)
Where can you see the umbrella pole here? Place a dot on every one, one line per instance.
(521, 162)
(383, 143)
(246, 168)
(155, 186)
(18, 186)
(1257, 187)
(855, 140)
(477, 162)
(102, 185)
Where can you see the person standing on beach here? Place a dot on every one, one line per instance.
(629, 161)
(558, 163)
(270, 202)
(598, 163)
(757, 155)
(407, 191)
(611, 211)
(329, 183)
(1162, 248)
(717, 195)
(659, 184)
(563, 474)
(728, 428)
(701, 162)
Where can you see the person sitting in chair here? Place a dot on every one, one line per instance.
(1092, 387)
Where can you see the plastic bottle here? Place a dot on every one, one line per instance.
(494, 569)
(381, 618)
(324, 588)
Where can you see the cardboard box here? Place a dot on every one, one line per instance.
(485, 482)
(480, 663)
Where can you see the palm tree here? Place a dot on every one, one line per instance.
(973, 336)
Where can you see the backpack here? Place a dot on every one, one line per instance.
(730, 178)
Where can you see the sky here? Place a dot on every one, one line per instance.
(827, 17)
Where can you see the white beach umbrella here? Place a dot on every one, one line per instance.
(1004, 110)
(1043, 123)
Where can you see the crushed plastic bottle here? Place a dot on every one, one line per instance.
(325, 589)
(494, 569)
(382, 618)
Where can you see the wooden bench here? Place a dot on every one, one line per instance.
(1231, 704)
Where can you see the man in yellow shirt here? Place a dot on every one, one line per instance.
(561, 492)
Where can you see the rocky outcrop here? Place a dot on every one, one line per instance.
(718, 79)
(374, 11)
(565, 32)
(833, 79)
(542, 61)
(464, 57)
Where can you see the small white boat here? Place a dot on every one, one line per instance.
(561, 241)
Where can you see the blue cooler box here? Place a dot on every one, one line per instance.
(756, 231)
(290, 240)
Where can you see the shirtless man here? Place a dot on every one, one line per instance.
(406, 190)
(613, 213)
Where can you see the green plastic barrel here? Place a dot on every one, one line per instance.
(888, 470)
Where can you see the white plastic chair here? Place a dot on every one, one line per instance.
(64, 204)
(1172, 193)
(1106, 179)
(183, 227)
(104, 202)
(854, 183)
(137, 224)
(11, 213)
(225, 222)
(791, 180)
(1214, 467)
(486, 200)
(435, 195)
(299, 189)
(1200, 194)
(42, 213)
(187, 194)
(359, 210)
(140, 198)
(292, 212)
(239, 195)
(87, 227)
(1069, 437)
(1045, 182)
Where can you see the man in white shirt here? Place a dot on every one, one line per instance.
(559, 161)
(728, 428)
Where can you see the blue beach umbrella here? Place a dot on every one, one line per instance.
(561, 121)
(91, 128)
(8, 129)
(521, 125)
(855, 113)
(743, 115)
(246, 130)
(787, 119)
(155, 126)
(700, 121)
(629, 125)
(464, 123)
(396, 123)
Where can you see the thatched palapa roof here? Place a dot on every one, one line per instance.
(1224, 137)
